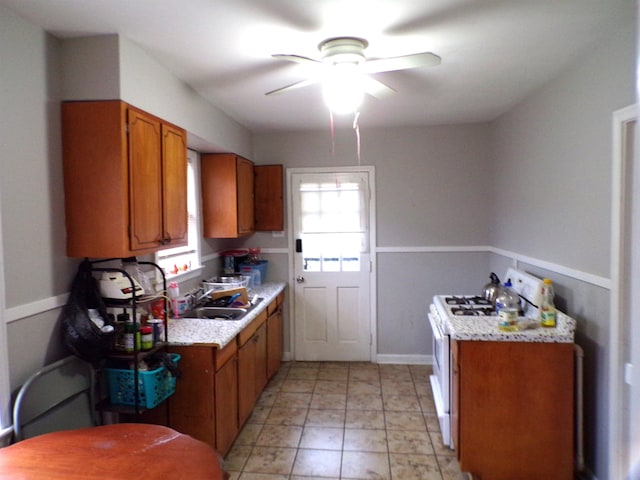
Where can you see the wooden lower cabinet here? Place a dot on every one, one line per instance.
(252, 366)
(226, 405)
(246, 375)
(513, 409)
(274, 335)
(218, 388)
(191, 407)
(205, 402)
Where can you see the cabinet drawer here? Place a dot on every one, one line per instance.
(248, 332)
(272, 307)
(275, 303)
(223, 355)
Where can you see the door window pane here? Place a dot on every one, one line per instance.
(334, 225)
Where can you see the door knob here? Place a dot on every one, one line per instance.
(299, 278)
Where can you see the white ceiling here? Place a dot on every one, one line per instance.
(494, 52)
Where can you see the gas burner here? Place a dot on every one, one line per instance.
(478, 301)
(466, 300)
(464, 312)
(471, 311)
(455, 301)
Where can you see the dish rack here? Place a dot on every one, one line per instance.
(213, 285)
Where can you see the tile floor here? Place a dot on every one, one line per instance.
(332, 421)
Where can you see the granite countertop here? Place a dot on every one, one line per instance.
(218, 333)
(486, 329)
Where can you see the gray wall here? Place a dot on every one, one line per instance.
(553, 158)
(554, 147)
(431, 192)
(38, 72)
(31, 191)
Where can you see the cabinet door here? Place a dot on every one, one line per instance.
(516, 398)
(246, 380)
(226, 405)
(191, 407)
(268, 198)
(174, 165)
(145, 181)
(227, 195)
(245, 196)
(274, 342)
(94, 148)
(260, 339)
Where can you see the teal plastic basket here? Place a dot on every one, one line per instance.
(154, 386)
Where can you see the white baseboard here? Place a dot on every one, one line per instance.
(389, 359)
(405, 359)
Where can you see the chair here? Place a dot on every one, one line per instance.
(60, 396)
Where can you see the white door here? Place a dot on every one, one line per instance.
(332, 233)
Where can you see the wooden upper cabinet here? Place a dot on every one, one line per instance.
(269, 197)
(174, 164)
(239, 197)
(245, 186)
(125, 180)
(227, 195)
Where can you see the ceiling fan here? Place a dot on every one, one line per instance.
(344, 71)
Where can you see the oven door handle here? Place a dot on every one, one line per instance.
(435, 328)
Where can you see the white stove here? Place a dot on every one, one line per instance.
(471, 307)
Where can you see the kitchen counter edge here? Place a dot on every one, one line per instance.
(486, 329)
(219, 333)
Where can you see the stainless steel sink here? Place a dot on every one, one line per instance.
(217, 313)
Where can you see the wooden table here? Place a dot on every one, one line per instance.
(123, 451)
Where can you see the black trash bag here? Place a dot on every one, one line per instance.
(80, 335)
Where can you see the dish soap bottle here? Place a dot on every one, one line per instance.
(547, 310)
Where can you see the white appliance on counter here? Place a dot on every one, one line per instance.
(529, 289)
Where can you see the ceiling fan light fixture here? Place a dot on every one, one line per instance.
(343, 88)
(343, 50)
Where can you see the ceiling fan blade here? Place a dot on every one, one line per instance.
(404, 62)
(297, 59)
(376, 88)
(293, 86)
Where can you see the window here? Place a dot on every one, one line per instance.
(334, 224)
(182, 260)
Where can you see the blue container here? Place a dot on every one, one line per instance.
(261, 267)
(154, 386)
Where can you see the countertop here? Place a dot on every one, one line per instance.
(218, 333)
(486, 329)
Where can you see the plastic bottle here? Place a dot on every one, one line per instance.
(146, 337)
(257, 280)
(507, 298)
(547, 310)
(174, 294)
(251, 273)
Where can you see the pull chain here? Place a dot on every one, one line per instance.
(356, 127)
